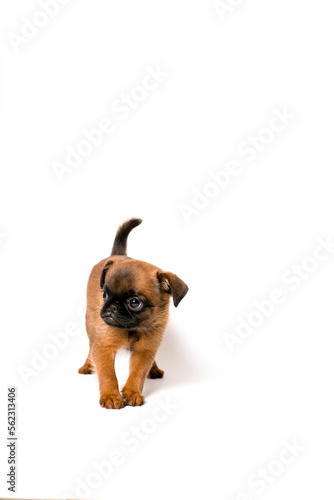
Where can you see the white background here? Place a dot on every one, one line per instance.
(226, 74)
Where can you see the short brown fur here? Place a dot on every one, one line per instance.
(123, 275)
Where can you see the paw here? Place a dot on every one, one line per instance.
(155, 372)
(133, 398)
(114, 402)
(86, 370)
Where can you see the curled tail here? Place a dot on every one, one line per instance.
(119, 246)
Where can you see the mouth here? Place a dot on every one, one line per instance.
(110, 321)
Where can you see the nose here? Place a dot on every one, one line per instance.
(114, 308)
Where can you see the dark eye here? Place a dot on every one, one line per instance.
(135, 304)
(105, 296)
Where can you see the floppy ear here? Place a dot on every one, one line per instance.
(172, 284)
(104, 272)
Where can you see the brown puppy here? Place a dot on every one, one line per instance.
(127, 306)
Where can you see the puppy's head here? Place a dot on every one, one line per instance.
(136, 294)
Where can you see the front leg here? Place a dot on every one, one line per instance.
(141, 362)
(104, 360)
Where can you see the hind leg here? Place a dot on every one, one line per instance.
(88, 367)
(155, 371)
